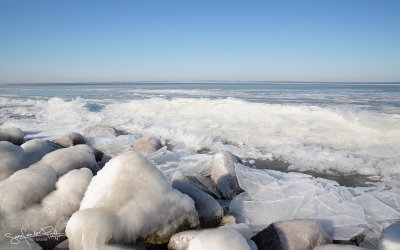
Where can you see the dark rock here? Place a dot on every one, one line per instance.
(203, 183)
(291, 235)
(13, 135)
(146, 145)
(210, 212)
(338, 247)
(70, 140)
(98, 155)
(224, 175)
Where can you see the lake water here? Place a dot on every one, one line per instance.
(348, 132)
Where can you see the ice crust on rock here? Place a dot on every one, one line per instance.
(223, 174)
(219, 239)
(181, 241)
(13, 135)
(66, 159)
(54, 209)
(141, 197)
(11, 159)
(342, 212)
(26, 187)
(35, 149)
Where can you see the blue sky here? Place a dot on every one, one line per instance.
(148, 40)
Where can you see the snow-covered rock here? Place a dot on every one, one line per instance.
(13, 135)
(390, 238)
(26, 187)
(70, 140)
(210, 211)
(100, 130)
(219, 239)
(35, 149)
(11, 159)
(66, 159)
(224, 175)
(291, 235)
(146, 145)
(139, 197)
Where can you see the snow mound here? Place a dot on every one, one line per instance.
(35, 149)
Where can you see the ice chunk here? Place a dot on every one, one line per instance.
(219, 239)
(66, 159)
(12, 159)
(26, 187)
(262, 213)
(144, 200)
(375, 209)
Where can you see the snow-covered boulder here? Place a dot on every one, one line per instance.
(210, 211)
(70, 140)
(11, 159)
(390, 238)
(26, 187)
(219, 239)
(140, 197)
(35, 149)
(224, 175)
(291, 235)
(13, 135)
(180, 241)
(146, 145)
(100, 130)
(338, 247)
(66, 159)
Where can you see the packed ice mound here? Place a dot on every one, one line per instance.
(11, 159)
(26, 187)
(219, 239)
(35, 149)
(342, 212)
(54, 209)
(142, 199)
(66, 159)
